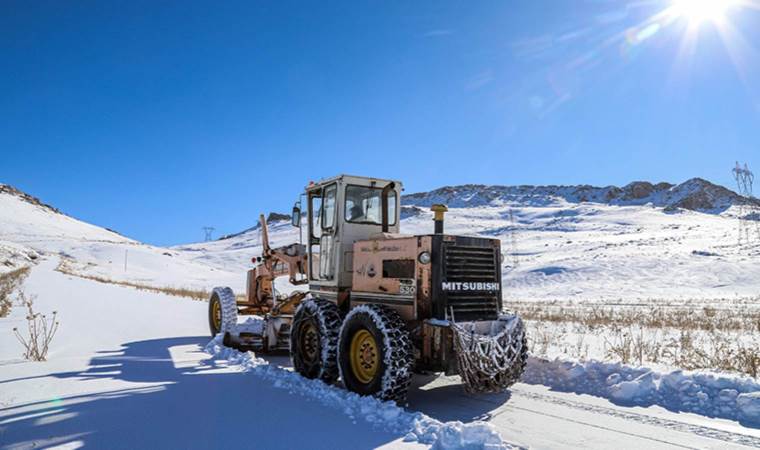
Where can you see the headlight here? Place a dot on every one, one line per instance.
(424, 258)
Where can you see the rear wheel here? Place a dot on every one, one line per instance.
(314, 340)
(375, 353)
(222, 311)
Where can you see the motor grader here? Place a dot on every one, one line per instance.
(380, 305)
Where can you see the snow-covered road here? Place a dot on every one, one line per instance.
(537, 417)
(128, 371)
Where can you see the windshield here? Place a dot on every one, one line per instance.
(363, 205)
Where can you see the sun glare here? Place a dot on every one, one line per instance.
(698, 11)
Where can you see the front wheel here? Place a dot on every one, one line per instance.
(375, 353)
(222, 311)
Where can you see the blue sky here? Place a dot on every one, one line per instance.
(157, 118)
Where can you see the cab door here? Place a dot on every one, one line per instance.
(322, 231)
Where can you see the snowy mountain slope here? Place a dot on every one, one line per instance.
(235, 252)
(587, 251)
(695, 194)
(572, 242)
(30, 229)
(641, 241)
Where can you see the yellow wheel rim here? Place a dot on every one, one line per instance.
(216, 315)
(310, 342)
(365, 356)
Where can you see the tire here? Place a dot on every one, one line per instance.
(497, 371)
(314, 340)
(223, 319)
(375, 353)
(513, 374)
(522, 360)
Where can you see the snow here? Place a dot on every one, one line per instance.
(387, 415)
(29, 230)
(747, 405)
(128, 370)
(608, 253)
(570, 243)
(705, 393)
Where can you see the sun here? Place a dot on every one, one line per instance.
(698, 11)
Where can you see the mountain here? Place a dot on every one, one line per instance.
(695, 194)
(642, 240)
(558, 242)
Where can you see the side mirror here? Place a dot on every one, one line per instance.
(295, 218)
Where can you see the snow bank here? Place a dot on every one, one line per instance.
(703, 393)
(386, 415)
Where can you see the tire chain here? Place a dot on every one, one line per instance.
(228, 304)
(399, 354)
(482, 359)
(329, 320)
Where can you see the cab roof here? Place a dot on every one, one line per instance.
(352, 179)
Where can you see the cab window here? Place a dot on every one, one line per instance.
(364, 205)
(328, 208)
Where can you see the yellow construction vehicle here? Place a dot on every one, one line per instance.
(380, 305)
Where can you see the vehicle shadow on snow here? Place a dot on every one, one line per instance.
(185, 405)
(442, 398)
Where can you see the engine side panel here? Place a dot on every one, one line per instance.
(385, 272)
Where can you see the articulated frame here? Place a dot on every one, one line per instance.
(274, 262)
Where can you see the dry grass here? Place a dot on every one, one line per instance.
(651, 316)
(40, 330)
(688, 337)
(195, 294)
(9, 282)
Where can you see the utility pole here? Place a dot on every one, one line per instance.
(748, 209)
(207, 233)
(513, 239)
(125, 259)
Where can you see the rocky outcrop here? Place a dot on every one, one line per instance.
(695, 194)
(10, 190)
(277, 217)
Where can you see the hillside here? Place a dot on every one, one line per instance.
(640, 241)
(153, 350)
(643, 240)
(31, 230)
(695, 194)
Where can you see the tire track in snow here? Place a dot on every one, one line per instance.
(699, 430)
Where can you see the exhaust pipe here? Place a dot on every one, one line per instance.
(384, 200)
(438, 210)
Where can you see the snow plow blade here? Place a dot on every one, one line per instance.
(267, 335)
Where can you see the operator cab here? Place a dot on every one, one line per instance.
(340, 211)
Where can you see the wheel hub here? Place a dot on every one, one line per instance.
(365, 356)
(216, 315)
(310, 342)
